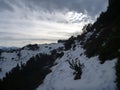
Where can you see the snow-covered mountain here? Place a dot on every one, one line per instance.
(95, 76)
(8, 48)
(90, 61)
(9, 59)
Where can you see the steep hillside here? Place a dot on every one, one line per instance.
(104, 40)
(57, 69)
(90, 61)
(93, 76)
(105, 37)
(9, 59)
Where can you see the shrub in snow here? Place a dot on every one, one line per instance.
(68, 44)
(61, 41)
(19, 54)
(60, 49)
(0, 69)
(87, 28)
(32, 47)
(28, 76)
(0, 52)
(77, 67)
(1, 58)
(57, 53)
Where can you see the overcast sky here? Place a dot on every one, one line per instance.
(41, 21)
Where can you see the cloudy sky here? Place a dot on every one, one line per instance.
(45, 21)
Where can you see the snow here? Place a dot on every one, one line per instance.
(88, 35)
(10, 60)
(95, 76)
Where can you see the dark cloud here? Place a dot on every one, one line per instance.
(5, 6)
(45, 20)
(93, 7)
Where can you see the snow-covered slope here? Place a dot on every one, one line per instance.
(95, 76)
(9, 60)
